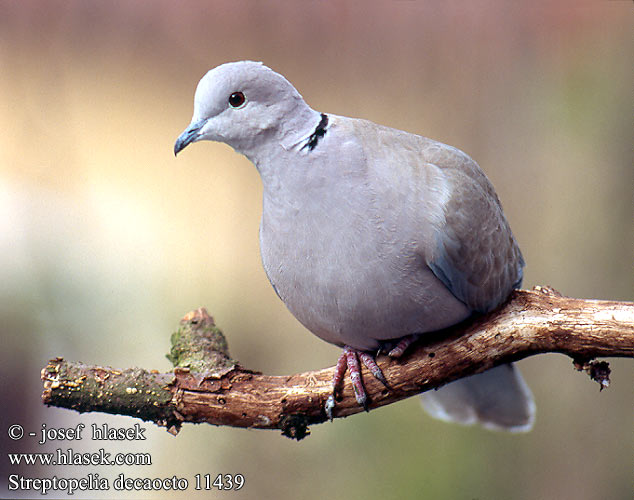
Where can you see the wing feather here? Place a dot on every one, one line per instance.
(475, 253)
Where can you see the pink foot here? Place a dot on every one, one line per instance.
(350, 359)
(402, 346)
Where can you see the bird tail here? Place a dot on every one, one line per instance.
(497, 399)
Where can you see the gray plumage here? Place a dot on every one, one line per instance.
(368, 233)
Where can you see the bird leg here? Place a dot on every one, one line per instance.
(370, 363)
(402, 346)
(349, 359)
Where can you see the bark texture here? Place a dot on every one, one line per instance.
(208, 386)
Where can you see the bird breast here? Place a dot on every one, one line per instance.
(349, 270)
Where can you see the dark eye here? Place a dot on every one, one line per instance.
(237, 99)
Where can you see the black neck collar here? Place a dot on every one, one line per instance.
(319, 132)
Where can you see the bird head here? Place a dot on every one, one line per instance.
(244, 104)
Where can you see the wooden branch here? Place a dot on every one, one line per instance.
(208, 386)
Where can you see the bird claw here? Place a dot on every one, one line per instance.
(349, 359)
(329, 406)
(370, 363)
(401, 347)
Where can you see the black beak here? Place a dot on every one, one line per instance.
(191, 134)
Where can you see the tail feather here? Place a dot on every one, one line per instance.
(497, 399)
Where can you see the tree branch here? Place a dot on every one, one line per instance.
(208, 386)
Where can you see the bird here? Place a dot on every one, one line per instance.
(371, 236)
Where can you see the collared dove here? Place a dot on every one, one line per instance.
(371, 236)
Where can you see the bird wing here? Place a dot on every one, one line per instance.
(474, 252)
(447, 205)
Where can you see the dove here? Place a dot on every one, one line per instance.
(371, 236)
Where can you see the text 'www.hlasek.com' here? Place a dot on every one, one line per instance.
(66, 456)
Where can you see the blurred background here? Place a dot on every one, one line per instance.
(107, 240)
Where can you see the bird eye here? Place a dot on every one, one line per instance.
(237, 99)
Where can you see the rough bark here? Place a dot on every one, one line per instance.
(208, 386)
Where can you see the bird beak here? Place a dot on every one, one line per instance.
(191, 134)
